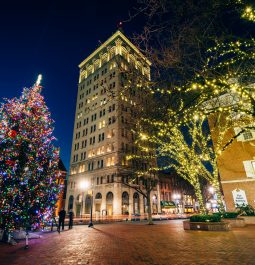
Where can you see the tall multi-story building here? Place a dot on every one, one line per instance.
(106, 108)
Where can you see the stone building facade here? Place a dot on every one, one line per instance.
(176, 194)
(102, 133)
(236, 165)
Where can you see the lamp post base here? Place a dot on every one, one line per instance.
(90, 224)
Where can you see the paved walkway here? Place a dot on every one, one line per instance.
(165, 243)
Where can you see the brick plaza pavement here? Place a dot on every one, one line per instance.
(165, 243)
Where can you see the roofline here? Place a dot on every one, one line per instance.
(117, 33)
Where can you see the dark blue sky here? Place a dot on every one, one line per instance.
(52, 38)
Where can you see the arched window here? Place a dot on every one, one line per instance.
(87, 204)
(136, 204)
(109, 203)
(98, 196)
(70, 202)
(125, 202)
(109, 197)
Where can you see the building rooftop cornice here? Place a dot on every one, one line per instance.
(108, 42)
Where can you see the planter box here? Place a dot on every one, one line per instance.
(249, 220)
(206, 226)
(235, 222)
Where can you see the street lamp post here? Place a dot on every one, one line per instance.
(91, 210)
(84, 185)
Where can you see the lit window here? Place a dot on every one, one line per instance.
(247, 135)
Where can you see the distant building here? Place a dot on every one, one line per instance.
(176, 194)
(62, 181)
(236, 166)
(102, 133)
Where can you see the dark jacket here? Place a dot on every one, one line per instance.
(62, 215)
(71, 216)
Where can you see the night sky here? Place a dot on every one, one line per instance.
(52, 38)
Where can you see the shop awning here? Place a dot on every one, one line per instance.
(167, 204)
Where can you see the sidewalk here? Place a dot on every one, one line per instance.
(165, 243)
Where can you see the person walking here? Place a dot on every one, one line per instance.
(61, 221)
(71, 219)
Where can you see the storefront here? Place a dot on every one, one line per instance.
(168, 207)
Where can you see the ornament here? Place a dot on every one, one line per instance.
(12, 133)
(10, 163)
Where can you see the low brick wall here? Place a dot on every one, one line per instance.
(249, 220)
(235, 222)
(206, 226)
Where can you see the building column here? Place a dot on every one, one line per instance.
(141, 202)
(159, 205)
(103, 204)
(117, 199)
(131, 203)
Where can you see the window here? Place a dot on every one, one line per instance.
(100, 137)
(247, 135)
(249, 167)
(101, 124)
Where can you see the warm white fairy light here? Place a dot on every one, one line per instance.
(39, 79)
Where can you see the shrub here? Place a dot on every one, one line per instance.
(205, 218)
(230, 215)
(246, 210)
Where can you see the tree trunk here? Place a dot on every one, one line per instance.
(216, 186)
(150, 222)
(199, 196)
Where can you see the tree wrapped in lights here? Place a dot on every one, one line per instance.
(188, 150)
(212, 66)
(198, 48)
(28, 161)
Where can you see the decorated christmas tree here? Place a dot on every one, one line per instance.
(28, 161)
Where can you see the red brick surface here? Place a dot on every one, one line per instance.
(165, 243)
